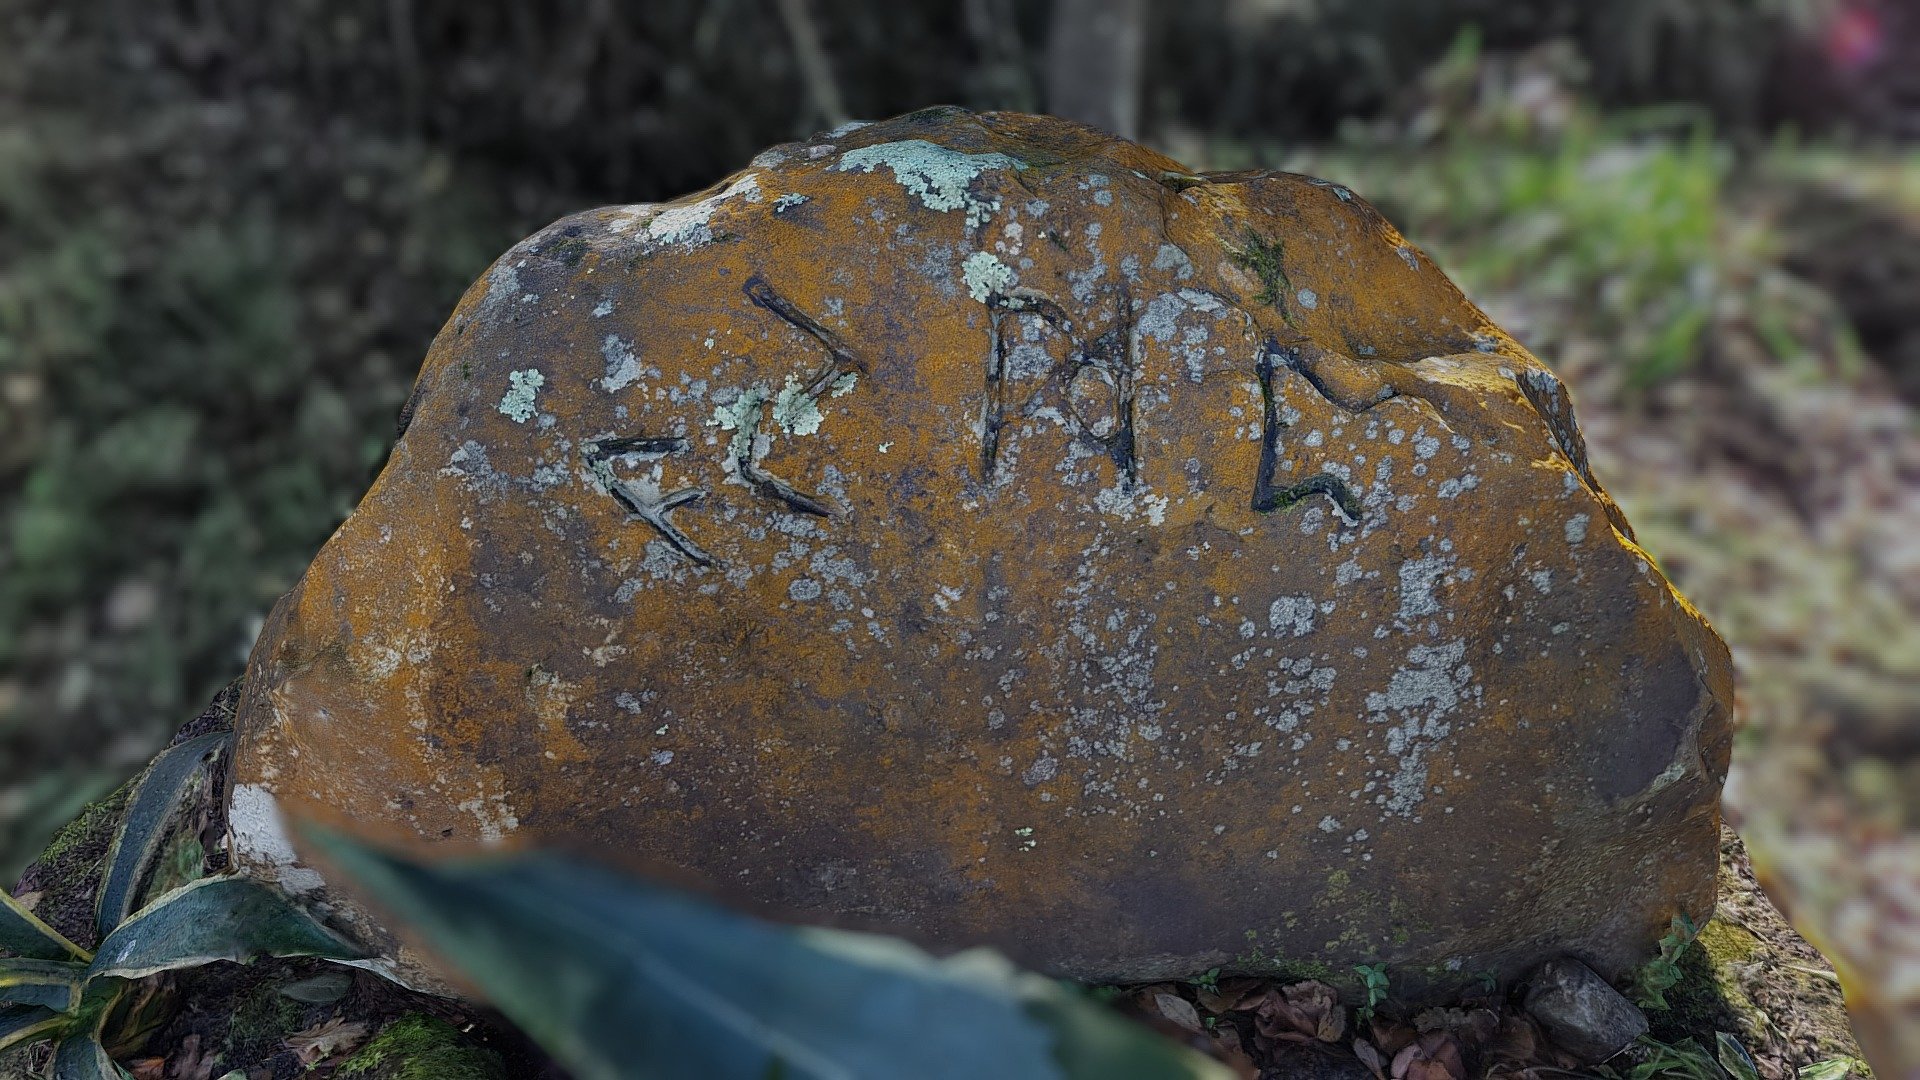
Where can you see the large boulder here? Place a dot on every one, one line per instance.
(983, 529)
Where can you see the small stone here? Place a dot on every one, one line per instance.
(1581, 1013)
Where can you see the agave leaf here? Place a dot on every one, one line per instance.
(23, 934)
(19, 1023)
(54, 984)
(149, 810)
(322, 989)
(81, 1057)
(216, 918)
(621, 978)
(1734, 1057)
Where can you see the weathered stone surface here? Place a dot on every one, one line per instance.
(980, 528)
(1582, 1013)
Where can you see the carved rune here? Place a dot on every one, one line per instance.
(653, 511)
(1267, 495)
(1095, 381)
(840, 363)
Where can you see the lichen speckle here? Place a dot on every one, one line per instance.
(986, 275)
(523, 387)
(939, 177)
(1291, 614)
(623, 366)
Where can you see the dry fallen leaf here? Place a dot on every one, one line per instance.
(1232, 994)
(152, 1068)
(1391, 1036)
(1433, 1056)
(191, 1063)
(1371, 1058)
(1302, 1012)
(1471, 1026)
(1228, 1048)
(1519, 1042)
(324, 1040)
(1180, 1011)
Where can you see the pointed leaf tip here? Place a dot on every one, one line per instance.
(220, 918)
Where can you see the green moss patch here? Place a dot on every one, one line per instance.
(422, 1047)
(67, 873)
(261, 1020)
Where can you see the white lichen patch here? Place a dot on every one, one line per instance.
(1576, 528)
(493, 817)
(260, 839)
(1291, 614)
(1423, 696)
(623, 365)
(688, 226)
(522, 388)
(503, 283)
(937, 176)
(1125, 502)
(986, 275)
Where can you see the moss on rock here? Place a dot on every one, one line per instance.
(422, 1047)
(67, 873)
(261, 1020)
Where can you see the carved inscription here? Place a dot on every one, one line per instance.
(1094, 384)
(746, 450)
(1268, 495)
(653, 511)
(840, 363)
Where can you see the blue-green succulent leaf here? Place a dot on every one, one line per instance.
(216, 918)
(619, 978)
(150, 809)
(53, 984)
(23, 934)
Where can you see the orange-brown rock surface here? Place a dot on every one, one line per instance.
(984, 529)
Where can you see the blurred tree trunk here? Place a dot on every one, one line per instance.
(1093, 63)
(811, 57)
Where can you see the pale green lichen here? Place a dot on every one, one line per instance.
(939, 177)
(986, 275)
(517, 405)
(843, 385)
(688, 225)
(742, 417)
(796, 411)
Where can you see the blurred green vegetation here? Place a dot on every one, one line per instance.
(1577, 225)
